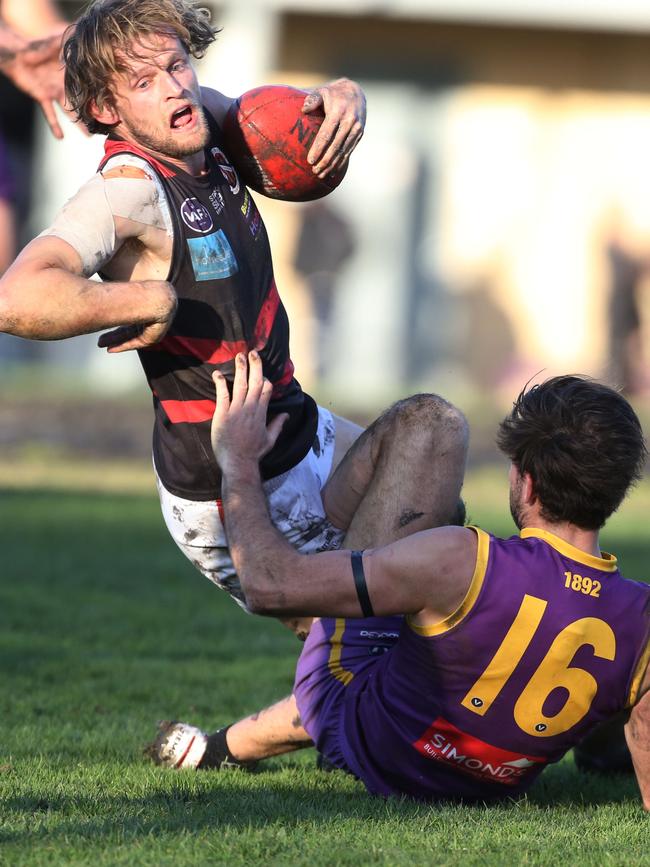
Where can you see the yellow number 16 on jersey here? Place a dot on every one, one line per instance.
(554, 671)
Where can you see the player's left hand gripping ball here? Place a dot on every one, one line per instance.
(344, 105)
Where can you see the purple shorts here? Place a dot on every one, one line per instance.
(336, 651)
(7, 188)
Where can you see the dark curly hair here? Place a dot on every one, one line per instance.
(108, 31)
(582, 444)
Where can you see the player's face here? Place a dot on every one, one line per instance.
(516, 496)
(158, 100)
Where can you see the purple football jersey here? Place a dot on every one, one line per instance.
(548, 642)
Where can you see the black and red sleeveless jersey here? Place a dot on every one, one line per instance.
(227, 303)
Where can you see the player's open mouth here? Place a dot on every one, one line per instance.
(182, 118)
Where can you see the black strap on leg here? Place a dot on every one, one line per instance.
(360, 583)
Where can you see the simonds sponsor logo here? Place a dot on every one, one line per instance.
(443, 742)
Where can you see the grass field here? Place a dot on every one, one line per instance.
(104, 629)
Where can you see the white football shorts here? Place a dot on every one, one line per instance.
(295, 506)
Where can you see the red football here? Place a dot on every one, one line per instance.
(268, 137)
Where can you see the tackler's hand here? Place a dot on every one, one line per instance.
(344, 104)
(240, 435)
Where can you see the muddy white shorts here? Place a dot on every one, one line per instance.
(295, 505)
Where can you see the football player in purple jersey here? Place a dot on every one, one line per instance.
(450, 664)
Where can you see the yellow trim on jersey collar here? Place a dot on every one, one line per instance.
(453, 619)
(605, 563)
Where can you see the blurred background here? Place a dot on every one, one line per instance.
(494, 224)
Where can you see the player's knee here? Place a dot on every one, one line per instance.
(428, 418)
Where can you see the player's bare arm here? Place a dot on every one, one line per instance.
(427, 576)
(637, 735)
(46, 293)
(44, 296)
(344, 104)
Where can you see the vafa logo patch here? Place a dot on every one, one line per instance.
(196, 216)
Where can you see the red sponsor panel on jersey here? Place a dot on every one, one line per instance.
(443, 742)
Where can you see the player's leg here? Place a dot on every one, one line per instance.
(270, 732)
(403, 474)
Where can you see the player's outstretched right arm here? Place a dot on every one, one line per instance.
(45, 296)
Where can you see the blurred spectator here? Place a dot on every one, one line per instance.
(627, 368)
(30, 52)
(30, 57)
(325, 243)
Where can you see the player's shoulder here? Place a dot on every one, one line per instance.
(135, 192)
(123, 171)
(451, 550)
(127, 166)
(448, 540)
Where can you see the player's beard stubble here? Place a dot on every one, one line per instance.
(168, 145)
(516, 509)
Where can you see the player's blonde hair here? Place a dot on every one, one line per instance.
(109, 31)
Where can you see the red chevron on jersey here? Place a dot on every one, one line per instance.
(213, 351)
(195, 411)
(188, 411)
(203, 348)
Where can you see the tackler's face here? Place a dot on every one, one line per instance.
(157, 99)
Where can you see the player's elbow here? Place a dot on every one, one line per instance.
(264, 602)
(255, 606)
(273, 585)
(270, 595)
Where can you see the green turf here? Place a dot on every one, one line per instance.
(104, 629)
